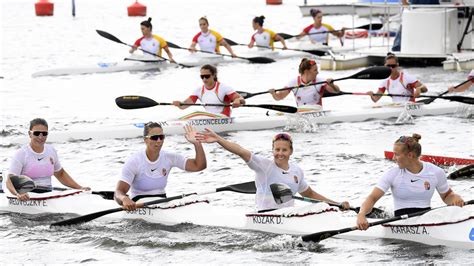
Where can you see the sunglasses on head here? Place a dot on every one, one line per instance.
(391, 65)
(207, 76)
(156, 137)
(282, 136)
(405, 140)
(37, 133)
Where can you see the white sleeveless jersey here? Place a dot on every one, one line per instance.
(149, 178)
(310, 95)
(267, 173)
(403, 84)
(220, 94)
(414, 190)
(38, 166)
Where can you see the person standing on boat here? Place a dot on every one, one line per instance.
(412, 182)
(318, 32)
(146, 172)
(213, 92)
(264, 37)
(38, 161)
(150, 42)
(278, 170)
(307, 95)
(465, 86)
(399, 82)
(209, 40)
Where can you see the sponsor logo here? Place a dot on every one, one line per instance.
(153, 170)
(39, 159)
(414, 180)
(266, 220)
(30, 203)
(409, 230)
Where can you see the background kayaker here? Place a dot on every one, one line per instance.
(399, 82)
(318, 32)
(146, 172)
(309, 95)
(465, 86)
(264, 37)
(209, 40)
(38, 161)
(278, 170)
(412, 182)
(213, 92)
(151, 42)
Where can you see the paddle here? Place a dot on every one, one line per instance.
(374, 26)
(282, 193)
(455, 98)
(108, 195)
(378, 72)
(428, 101)
(465, 172)
(117, 40)
(258, 59)
(317, 52)
(316, 237)
(246, 188)
(137, 102)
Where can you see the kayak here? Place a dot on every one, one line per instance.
(220, 123)
(438, 160)
(448, 226)
(129, 64)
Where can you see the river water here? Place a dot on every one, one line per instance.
(342, 161)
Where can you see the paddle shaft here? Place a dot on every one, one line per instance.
(373, 26)
(428, 101)
(247, 188)
(312, 51)
(316, 237)
(455, 98)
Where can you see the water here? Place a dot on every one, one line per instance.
(341, 161)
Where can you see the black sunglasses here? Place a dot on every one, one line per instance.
(156, 137)
(37, 133)
(207, 76)
(391, 66)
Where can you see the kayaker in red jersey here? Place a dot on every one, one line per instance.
(318, 32)
(150, 42)
(213, 92)
(278, 170)
(412, 183)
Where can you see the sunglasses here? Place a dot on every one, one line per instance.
(405, 140)
(156, 137)
(207, 76)
(37, 133)
(391, 66)
(282, 136)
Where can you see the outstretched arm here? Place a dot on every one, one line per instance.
(199, 162)
(209, 136)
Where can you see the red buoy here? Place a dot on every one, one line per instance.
(136, 10)
(274, 2)
(44, 8)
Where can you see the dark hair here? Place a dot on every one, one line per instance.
(259, 20)
(38, 121)
(305, 64)
(314, 12)
(148, 126)
(211, 68)
(410, 144)
(147, 23)
(391, 56)
(205, 19)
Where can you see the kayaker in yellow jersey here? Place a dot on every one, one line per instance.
(213, 92)
(318, 32)
(264, 37)
(465, 86)
(399, 82)
(38, 161)
(150, 42)
(412, 182)
(146, 172)
(278, 170)
(209, 40)
(309, 95)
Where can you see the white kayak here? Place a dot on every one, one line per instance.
(448, 226)
(135, 63)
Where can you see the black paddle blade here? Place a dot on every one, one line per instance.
(260, 60)
(172, 45)
(108, 36)
(275, 107)
(465, 172)
(231, 42)
(375, 26)
(378, 72)
(461, 99)
(316, 52)
(245, 188)
(134, 102)
(281, 193)
(85, 218)
(317, 237)
(245, 94)
(108, 195)
(286, 35)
